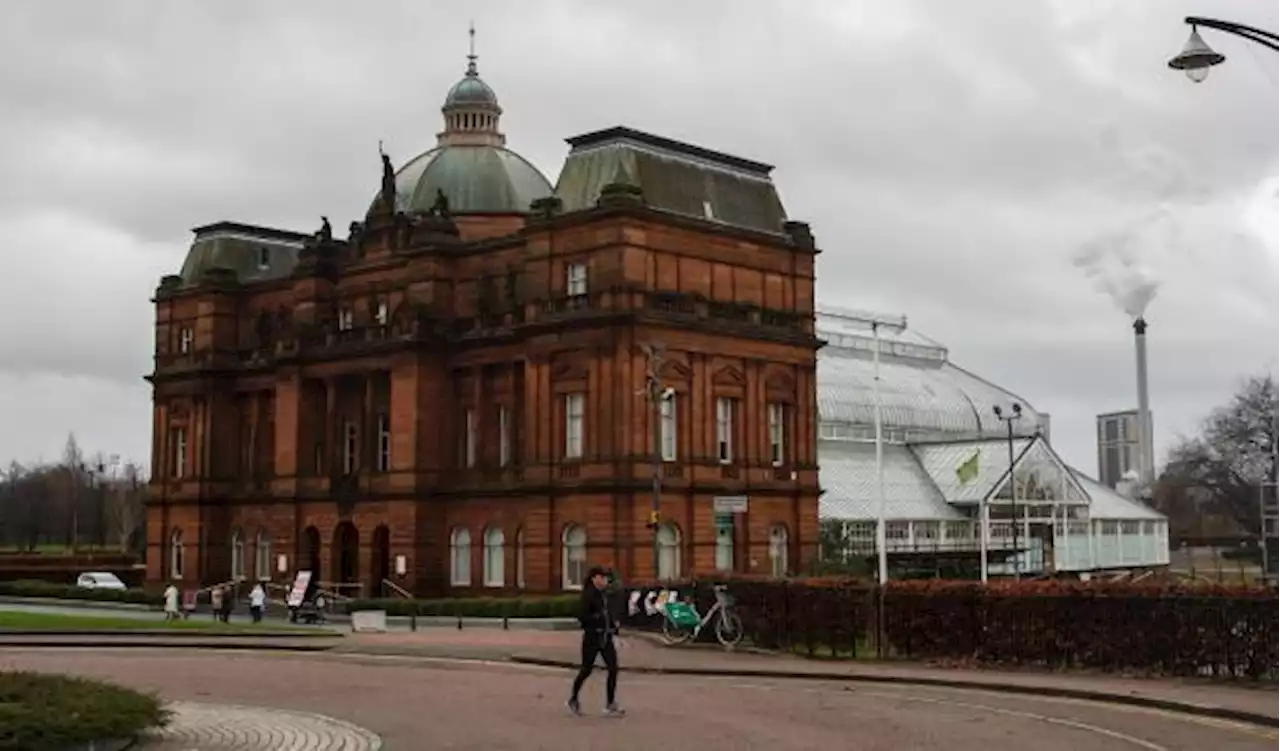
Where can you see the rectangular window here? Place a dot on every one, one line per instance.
(725, 407)
(777, 433)
(575, 279)
(574, 407)
(667, 411)
(346, 319)
(179, 452)
(380, 313)
(469, 437)
(350, 447)
(384, 442)
(186, 338)
(264, 259)
(504, 436)
(724, 548)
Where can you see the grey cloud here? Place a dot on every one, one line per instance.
(951, 156)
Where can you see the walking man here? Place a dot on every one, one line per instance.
(598, 631)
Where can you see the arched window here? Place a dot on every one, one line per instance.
(460, 557)
(176, 554)
(237, 555)
(668, 552)
(494, 550)
(724, 546)
(520, 558)
(262, 551)
(573, 564)
(779, 554)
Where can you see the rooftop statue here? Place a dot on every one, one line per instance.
(388, 180)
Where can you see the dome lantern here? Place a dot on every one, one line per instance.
(471, 110)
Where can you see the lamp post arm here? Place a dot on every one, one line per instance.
(1265, 38)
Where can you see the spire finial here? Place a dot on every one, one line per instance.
(471, 54)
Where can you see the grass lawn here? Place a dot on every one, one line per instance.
(18, 620)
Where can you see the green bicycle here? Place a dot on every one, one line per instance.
(681, 622)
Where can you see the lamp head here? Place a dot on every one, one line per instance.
(1017, 409)
(1196, 58)
(999, 412)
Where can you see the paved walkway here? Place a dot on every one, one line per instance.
(642, 653)
(415, 704)
(215, 727)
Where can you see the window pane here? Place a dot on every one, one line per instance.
(724, 549)
(573, 414)
(668, 412)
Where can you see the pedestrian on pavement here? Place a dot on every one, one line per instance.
(171, 602)
(257, 601)
(599, 627)
(215, 602)
(228, 603)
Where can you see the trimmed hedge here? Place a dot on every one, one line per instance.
(71, 592)
(558, 606)
(1157, 628)
(41, 712)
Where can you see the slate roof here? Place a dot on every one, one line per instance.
(240, 248)
(676, 177)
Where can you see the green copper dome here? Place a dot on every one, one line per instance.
(475, 178)
(470, 90)
(471, 164)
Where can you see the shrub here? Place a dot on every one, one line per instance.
(52, 712)
(71, 592)
(555, 606)
(1157, 627)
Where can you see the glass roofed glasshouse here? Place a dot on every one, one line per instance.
(946, 456)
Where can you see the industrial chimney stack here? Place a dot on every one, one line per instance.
(1146, 442)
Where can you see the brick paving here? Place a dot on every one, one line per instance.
(215, 727)
(415, 704)
(642, 652)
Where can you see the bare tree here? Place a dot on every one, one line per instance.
(126, 509)
(12, 519)
(1234, 454)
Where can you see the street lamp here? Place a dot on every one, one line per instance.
(875, 323)
(1197, 57)
(1008, 420)
(657, 396)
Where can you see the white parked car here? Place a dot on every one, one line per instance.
(99, 580)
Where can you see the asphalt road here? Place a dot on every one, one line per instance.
(439, 704)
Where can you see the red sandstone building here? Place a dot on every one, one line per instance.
(458, 396)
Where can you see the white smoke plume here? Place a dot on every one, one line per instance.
(1123, 260)
(1120, 262)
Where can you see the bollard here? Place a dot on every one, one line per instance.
(459, 623)
(504, 623)
(413, 618)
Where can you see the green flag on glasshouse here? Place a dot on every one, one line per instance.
(967, 471)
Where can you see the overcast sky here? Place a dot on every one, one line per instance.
(989, 169)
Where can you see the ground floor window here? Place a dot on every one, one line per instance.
(494, 549)
(669, 552)
(779, 554)
(574, 563)
(460, 558)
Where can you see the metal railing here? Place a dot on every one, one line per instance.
(407, 595)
